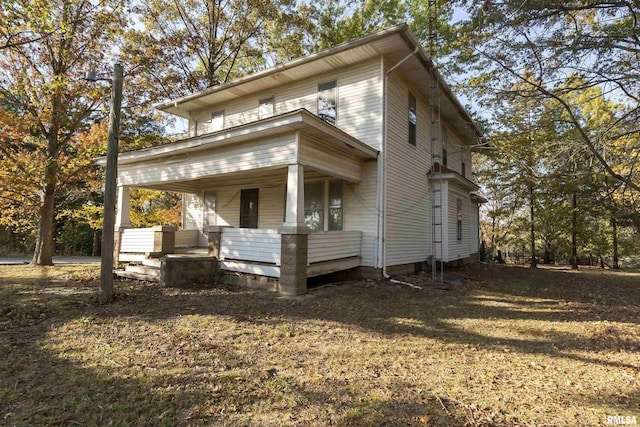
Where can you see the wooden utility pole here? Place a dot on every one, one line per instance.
(109, 219)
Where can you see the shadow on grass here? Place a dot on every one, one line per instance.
(40, 385)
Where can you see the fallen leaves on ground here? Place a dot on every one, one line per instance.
(500, 346)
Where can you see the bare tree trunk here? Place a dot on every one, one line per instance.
(43, 254)
(534, 261)
(493, 236)
(95, 250)
(12, 243)
(574, 232)
(614, 226)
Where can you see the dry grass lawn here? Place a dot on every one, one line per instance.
(506, 346)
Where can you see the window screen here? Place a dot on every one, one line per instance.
(327, 105)
(335, 205)
(314, 205)
(413, 119)
(266, 108)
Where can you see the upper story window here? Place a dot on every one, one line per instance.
(413, 119)
(266, 108)
(327, 105)
(217, 121)
(445, 146)
(459, 222)
(464, 168)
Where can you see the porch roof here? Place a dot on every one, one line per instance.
(448, 174)
(300, 120)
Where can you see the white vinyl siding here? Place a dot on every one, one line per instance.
(227, 213)
(328, 245)
(228, 206)
(408, 193)
(358, 90)
(275, 151)
(474, 224)
(266, 108)
(271, 206)
(359, 209)
(137, 240)
(457, 151)
(192, 211)
(250, 244)
(339, 164)
(458, 249)
(360, 212)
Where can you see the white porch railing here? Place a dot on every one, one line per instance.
(255, 251)
(330, 245)
(187, 238)
(136, 240)
(250, 244)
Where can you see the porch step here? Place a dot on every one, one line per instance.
(151, 262)
(147, 270)
(137, 276)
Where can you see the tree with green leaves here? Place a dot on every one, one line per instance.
(597, 42)
(41, 82)
(189, 45)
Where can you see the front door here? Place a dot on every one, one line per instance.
(249, 208)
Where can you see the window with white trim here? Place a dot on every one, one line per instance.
(445, 146)
(459, 224)
(335, 204)
(327, 102)
(413, 119)
(324, 205)
(217, 121)
(314, 205)
(266, 108)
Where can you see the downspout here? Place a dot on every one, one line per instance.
(384, 169)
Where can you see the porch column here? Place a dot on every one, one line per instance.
(164, 239)
(122, 220)
(294, 216)
(122, 214)
(294, 237)
(214, 237)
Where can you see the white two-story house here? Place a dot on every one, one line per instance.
(318, 165)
